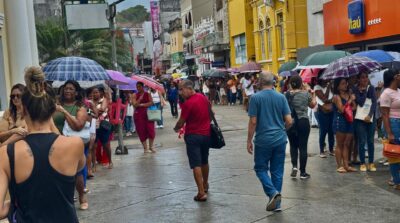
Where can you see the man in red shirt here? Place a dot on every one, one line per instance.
(195, 113)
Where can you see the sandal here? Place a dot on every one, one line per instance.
(341, 170)
(153, 150)
(199, 198)
(84, 206)
(351, 169)
(110, 165)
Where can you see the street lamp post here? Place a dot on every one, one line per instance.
(111, 13)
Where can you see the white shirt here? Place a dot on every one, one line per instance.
(129, 110)
(249, 91)
(156, 97)
(319, 87)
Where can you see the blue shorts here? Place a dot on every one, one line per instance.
(340, 124)
(197, 148)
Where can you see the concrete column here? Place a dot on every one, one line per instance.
(21, 35)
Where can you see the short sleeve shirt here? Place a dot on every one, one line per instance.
(249, 91)
(300, 103)
(323, 89)
(195, 112)
(269, 107)
(391, 99)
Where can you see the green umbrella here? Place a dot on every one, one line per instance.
(288, 66)
(322, 59)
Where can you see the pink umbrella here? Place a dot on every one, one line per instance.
(117, 78)
(250, 67)
(308, 73)
(149, 82)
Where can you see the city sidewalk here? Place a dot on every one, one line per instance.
(160, 187)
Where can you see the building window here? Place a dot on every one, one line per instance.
(219, 4)
(220, 26)
(281, 33)
(269, 38)
(262, 43)
(240, 49)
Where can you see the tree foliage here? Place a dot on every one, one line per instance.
(55, 41)
(134, 15)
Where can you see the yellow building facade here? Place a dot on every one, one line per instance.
(240, 32)
(176, 41)
(279, 29)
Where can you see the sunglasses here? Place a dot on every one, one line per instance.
(15, 96)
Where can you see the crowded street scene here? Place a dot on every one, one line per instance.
(199, 111)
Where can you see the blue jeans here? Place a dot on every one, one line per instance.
(158, 104)
(128, 124)
(395, 167)
(270, 159)
(365, 135)
(325, 121)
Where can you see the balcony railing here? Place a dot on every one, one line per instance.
(214, 38)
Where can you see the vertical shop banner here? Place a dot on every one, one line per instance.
(157, 46)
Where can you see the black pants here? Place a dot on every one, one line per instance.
(298, 142)
(174, 108)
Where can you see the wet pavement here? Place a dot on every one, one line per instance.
(160, 187)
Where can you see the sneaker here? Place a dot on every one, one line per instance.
(372, 167)
(304, 176)
(278, 206)
(322, 155)
(157, 126)
(161, 126)
(294, 172)
(272, 204)
(386, 163)
(363, 168)
(332, 153)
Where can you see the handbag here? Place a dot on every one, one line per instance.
(84, 133)
(292, 130)
(217, 140)
(348, 112)
(153, 113)
(391, 150)
(13, 204)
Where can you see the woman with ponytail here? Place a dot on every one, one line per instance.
(42, 187)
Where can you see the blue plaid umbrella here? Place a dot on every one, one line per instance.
(350, 66)
(74, 68)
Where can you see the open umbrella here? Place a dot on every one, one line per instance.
(74, 68)
(250, 67)
(117, 78)
(131, 86)
(350, 66)
(218, 73)
(321, 59)
(307, 74)
(288, 66)
(288, 73)
(149, 82)
(377, 55)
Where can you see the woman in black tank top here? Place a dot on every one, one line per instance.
(42, 187)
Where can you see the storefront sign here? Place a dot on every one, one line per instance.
(356, 17)
(378, 17)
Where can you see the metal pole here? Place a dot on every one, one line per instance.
(111, 18)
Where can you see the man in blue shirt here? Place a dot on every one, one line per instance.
(270, 116)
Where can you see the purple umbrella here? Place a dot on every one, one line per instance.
(117, 78)
(288, 73)
(250, 67)
(350, 66)
(131, 86)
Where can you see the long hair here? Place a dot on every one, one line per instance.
(388, 77)
(13, 108)
(78, 89)
(336, 84)
(38, 98)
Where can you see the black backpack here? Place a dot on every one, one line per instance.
(292, 130)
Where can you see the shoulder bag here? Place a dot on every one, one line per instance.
(153, 113)
(84, 133)
(217, 140)
(292, 130)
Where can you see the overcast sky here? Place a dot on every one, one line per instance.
(131, 3)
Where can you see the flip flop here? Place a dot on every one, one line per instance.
(341, 170)
(351, 169)
(84, 206)
(206, 188)
(200, 198)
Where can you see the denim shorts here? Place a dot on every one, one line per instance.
(103, 135)
(395, 126)
(340, 124)
(197, 148)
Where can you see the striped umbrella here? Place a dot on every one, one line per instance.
(149, 82)
(74, 68)
(350, 66)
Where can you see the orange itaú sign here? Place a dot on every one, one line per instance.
(381, 20)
